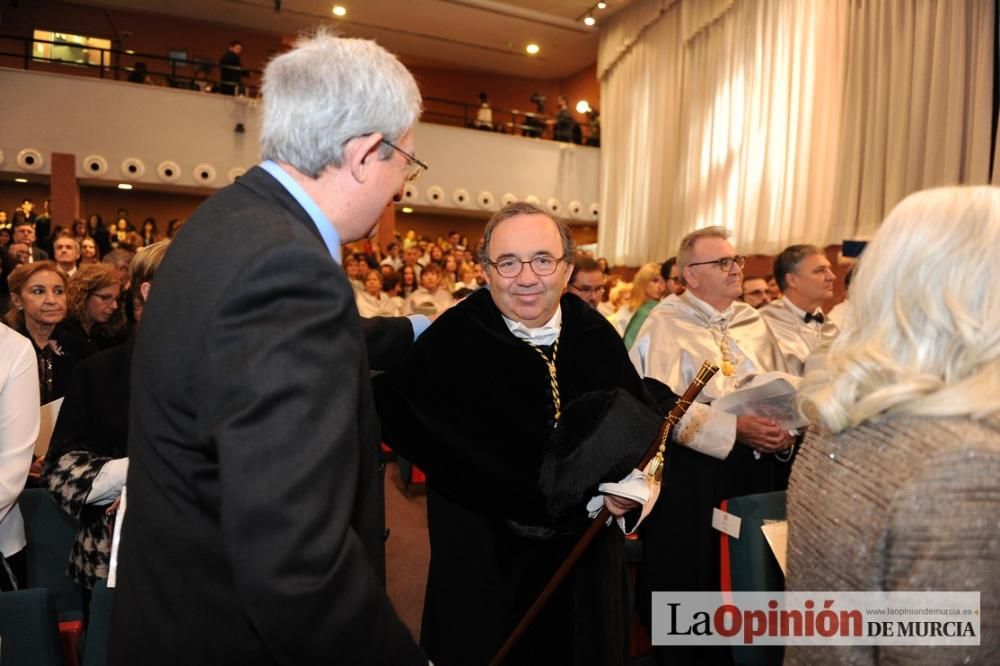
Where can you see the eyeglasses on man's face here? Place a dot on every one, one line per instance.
(542, 265)
(587, 290)
(725, 264)
(415, 166)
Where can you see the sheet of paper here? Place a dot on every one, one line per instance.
(776, 533)
(774, 399)
(116, 539)
(47, 422)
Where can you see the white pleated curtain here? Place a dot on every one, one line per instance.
(785, 121)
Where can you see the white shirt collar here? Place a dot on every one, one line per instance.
(799, 313)
(710, 312)
(543, 335)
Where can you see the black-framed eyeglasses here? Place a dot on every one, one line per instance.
(587, 290)
(542, 265)
(725, 264)
(416, 167)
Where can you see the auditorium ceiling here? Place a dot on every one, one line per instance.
(489, 35)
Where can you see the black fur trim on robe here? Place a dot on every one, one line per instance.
(601, 436)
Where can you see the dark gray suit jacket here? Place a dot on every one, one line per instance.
(253, 533)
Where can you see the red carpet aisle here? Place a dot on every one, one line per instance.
(407, 551)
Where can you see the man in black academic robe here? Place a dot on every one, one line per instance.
(493, 545)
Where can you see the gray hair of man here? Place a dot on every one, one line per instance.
(525, 208)
(329, 90)
(788, 262)
(923, 331)
(687, 246)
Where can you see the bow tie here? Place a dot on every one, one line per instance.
(818, 317)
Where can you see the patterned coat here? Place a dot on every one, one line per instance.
(92, 430)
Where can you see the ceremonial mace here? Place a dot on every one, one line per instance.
(653, 454)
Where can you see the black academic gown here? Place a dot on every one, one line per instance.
(481, 451)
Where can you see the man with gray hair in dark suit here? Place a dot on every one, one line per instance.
(254, 522)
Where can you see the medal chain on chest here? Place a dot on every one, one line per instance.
(553, 379)
(721, 338)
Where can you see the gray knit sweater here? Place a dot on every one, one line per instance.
(899, 504)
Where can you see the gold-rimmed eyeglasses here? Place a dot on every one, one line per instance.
(415, 166)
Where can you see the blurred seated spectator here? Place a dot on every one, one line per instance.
(38, 309)
(88, 252)
(120, 258)
(139, 74)
(86, 464)
(648, 288)
(24, 232)
(563, 129)
(67, 253)
(429, 299)
(94, 304)
(150, 232)
(78, 230)
(19, 415)
(372, 301)
(392, 285)
(534, 125)
(484, 114)
(97, 231)
(173, 226)
(408, 281)
(201, 82)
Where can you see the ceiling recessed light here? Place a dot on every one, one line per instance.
(339, 10)
(124, 186)
(20, 180)
(602, 5)
(129, 51)
(589, 20)
(407, 209)
(532, 49)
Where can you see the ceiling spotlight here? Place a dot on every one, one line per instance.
(532, 48)
(339, 10)
(602, 5)
(582, 106)
(407, 209)
(20, 180)
(124, 186)
(589, 20)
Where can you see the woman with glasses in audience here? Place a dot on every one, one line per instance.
(38, 311)
(898, 489)
(94, 303)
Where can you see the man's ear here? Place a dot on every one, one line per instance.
(360, 153)
(791, 280)
(690, 277)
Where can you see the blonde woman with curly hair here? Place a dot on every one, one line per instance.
(94, 301)
(898, 488)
